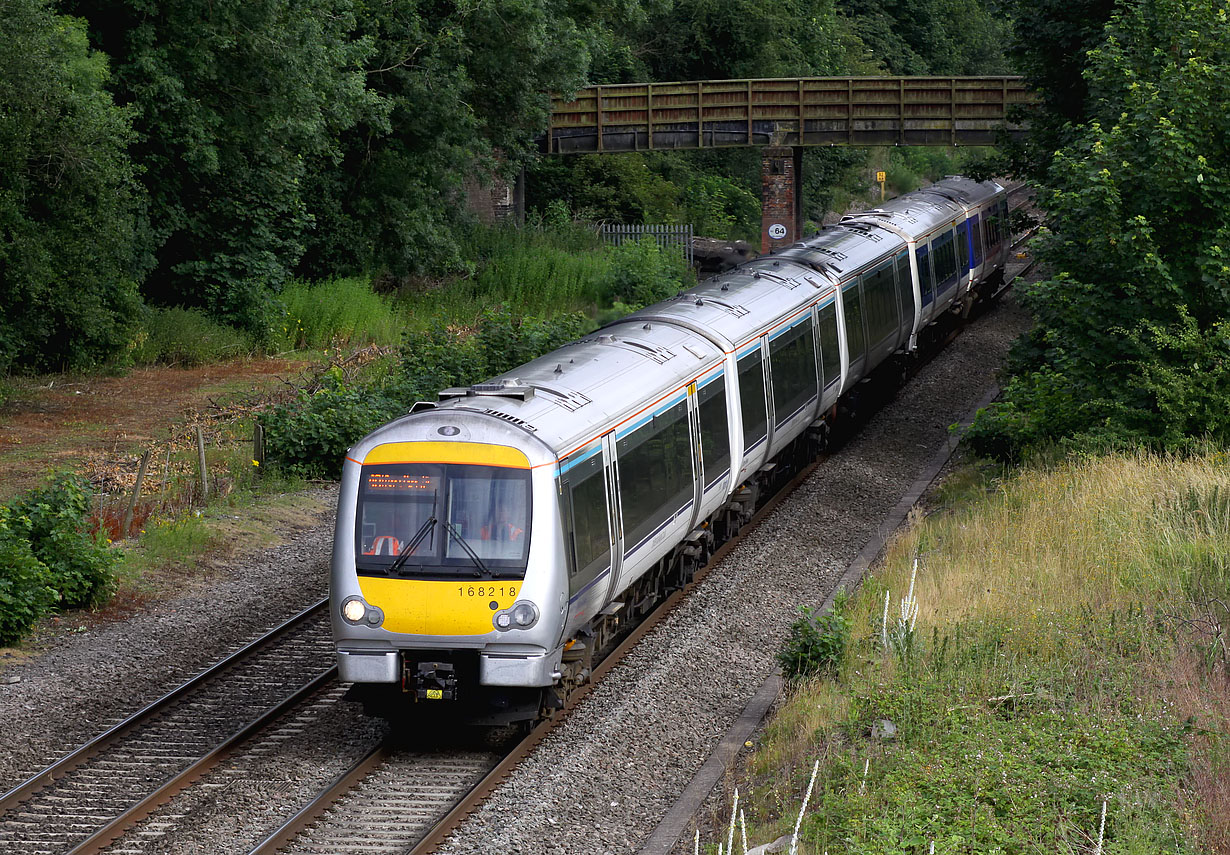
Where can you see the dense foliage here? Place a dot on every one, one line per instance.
(1132, 343)
(49, 557)
(66, 197)
(201, 154)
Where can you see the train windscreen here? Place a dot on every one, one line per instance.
(443, 520)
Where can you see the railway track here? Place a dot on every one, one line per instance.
(92, 796)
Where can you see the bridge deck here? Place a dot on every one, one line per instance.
(792, 111)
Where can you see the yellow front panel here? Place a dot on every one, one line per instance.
(480, 453)
(417, 607)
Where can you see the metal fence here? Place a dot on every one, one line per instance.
(669, 238)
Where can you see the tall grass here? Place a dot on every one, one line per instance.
(1069, 647)
(178, 336)
(335, 311)
(539, 272)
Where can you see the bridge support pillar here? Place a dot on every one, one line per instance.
(781, 196)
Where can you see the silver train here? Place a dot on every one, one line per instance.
(489, 544)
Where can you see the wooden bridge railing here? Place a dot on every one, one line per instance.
(786, 112)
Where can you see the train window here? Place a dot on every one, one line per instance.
(856, 339)
(655, 472)
(830, 357)
(976, 237)
(590, 533)
(925, 286)
(963, 247)
(752, 403)
(881, 303)
(714, 429)
(945, 261)
(436, 507)
(793, 355)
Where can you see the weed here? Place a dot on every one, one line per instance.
(1053, 680)
(817, 642)
(335, 313)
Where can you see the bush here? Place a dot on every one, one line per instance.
(54, 520)
(642, 273)
(310, 435)
(178, 336)
(816, 644)
(25, 585)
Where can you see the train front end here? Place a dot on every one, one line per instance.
(448, 589)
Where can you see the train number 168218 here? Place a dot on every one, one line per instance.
(486, 590)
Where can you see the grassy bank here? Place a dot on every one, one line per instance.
(1063, 648)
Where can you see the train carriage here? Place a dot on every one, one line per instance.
(488, 544)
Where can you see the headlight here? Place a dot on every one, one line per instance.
(522, 615)
(354, 610)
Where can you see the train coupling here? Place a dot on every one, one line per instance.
(435, 681)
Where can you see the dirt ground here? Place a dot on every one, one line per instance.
(58, 422)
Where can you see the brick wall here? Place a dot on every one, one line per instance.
(779, 195)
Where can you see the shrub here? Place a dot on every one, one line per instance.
(310, 435)
(25, 585)
(816, 643)
(178, 336)
(642, 273)
(54, 520)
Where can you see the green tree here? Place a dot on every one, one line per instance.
(1051, 40)
(66, 198)
(231, 100)
(1139, 214)
(467, 85)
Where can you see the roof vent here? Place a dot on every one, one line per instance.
(509, 387)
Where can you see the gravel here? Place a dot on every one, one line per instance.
(604, 778)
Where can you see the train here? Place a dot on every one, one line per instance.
(490, 544)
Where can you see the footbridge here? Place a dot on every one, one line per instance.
(782, 116)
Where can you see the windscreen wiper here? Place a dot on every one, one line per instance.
(482, 568)
(409, 548)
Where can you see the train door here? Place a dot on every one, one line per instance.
(594, 540)
(831, 365)
(698, 477)
(753, 406)
(713, 430)
(926, 281)
(855, 334)
(905, 299)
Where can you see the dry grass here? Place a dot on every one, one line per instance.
(1104, 534)
(1084, 601)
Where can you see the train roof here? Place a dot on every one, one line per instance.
(556, 397)
(923, 211)
(654, 353)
